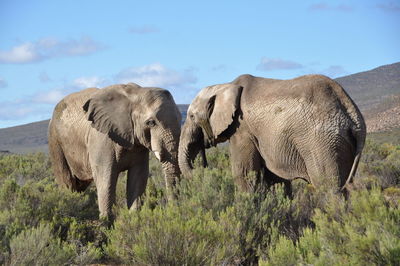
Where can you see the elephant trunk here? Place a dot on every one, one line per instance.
(168, 158)
(203, 157)
(171, 176)
(191, 143)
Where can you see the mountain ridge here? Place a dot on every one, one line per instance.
(369, 88)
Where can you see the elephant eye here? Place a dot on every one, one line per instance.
(150, 123)
(191, 116)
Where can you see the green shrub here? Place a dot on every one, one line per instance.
(38, 246)
(284, 252)
(363, 231)
(210, 223)
(380, 164)
(218, 157)
(169, 236)
(306, 199)
(24, 167)
(392, 195)
(211, 189)
(26, 206)
(255, 220)
(182, 232)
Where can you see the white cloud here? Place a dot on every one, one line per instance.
(14, 110)
(87, 82)
(3, 83)
(270, 64)
(156, 75)
(84, 46)
(334, 71)
(145, 29)
(47, 48)
(53, 96)
(24, 53)
(49, 97)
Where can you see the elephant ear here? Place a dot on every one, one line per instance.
(110, 113)
(222, 107)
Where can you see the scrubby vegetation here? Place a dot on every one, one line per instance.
(211, 222)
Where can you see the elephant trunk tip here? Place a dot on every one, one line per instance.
(185, 164)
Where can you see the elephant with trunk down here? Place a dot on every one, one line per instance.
(97, 133)
(307, 128)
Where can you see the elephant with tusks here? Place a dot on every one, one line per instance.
(95, 134)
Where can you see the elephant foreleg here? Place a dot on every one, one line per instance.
(137, 179)
(106, 186)
(246, 161)
(105, 176)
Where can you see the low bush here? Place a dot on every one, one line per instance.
(24, 207)
(34, 166)
(363, 231)
(211, 222)
(38, 246)
(169, 236)
(38, 200)
(380, 165)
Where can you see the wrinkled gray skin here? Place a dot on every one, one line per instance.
(306, 128)
(95, 134)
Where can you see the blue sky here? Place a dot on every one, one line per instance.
(49, 49)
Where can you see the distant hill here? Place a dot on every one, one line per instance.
(26, 138)
(368, 89)
(376, 92)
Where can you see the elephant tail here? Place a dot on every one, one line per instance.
(359, 138)
(356, 132)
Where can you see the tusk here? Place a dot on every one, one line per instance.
(157, 154)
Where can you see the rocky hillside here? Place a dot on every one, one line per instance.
(385, 115)
(368, 89)
(377, 94)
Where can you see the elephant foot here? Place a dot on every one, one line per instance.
(136, 205)
(107, 221)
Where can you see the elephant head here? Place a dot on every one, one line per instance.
(209, 121)
(134, 116)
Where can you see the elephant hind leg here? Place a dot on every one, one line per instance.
(81, 185)
(330, 167)
(61, 169)
(271, 179)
